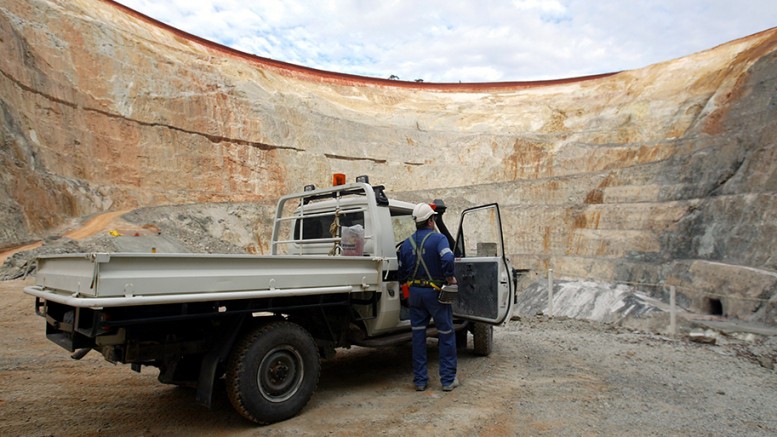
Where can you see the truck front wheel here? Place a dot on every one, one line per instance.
(483, 339)
(273, 372)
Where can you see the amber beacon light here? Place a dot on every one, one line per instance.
(338, 179)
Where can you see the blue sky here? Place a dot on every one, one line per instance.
(467, 41)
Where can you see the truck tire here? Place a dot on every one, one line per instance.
(483, 339)
(273, 372)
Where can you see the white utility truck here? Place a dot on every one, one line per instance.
(264, 322)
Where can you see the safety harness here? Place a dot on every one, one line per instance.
(419, 261)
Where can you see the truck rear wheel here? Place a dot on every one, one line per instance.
(483, 339)
(273, 372)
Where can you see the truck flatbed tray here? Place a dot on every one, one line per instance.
(125, 279)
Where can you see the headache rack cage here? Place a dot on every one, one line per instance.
(293, 210)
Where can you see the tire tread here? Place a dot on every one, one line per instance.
(236, 366)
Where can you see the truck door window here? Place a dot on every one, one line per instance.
(478, 236)
(403, 226)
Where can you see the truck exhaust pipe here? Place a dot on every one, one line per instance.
(80, 353)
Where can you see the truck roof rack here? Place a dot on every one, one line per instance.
(380, 195)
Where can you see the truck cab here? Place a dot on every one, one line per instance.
(319, 222)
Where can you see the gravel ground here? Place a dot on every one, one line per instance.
(559, 377)
(555, 377)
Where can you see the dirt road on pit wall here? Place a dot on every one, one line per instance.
(98, 223)
(557, 377)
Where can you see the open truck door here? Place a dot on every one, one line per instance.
(482, 271)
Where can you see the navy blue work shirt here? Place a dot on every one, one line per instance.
(436, 253)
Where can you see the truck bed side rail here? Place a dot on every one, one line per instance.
(125, 279)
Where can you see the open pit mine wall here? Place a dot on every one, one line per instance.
(659, 176)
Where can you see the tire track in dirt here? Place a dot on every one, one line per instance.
(559, 391)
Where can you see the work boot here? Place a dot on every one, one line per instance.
(452, 385)
(421, 387)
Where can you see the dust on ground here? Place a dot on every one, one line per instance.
(545, 377)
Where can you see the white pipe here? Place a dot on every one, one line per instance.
(108, 302)
(672, 310)
(550, 292)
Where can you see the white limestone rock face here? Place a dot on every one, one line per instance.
(631, 177)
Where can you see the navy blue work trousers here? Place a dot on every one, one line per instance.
(423, 307)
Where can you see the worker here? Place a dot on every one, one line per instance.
(426, 264)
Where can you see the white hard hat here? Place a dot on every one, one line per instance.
(422, 212)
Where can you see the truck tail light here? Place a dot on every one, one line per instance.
(104, 317)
